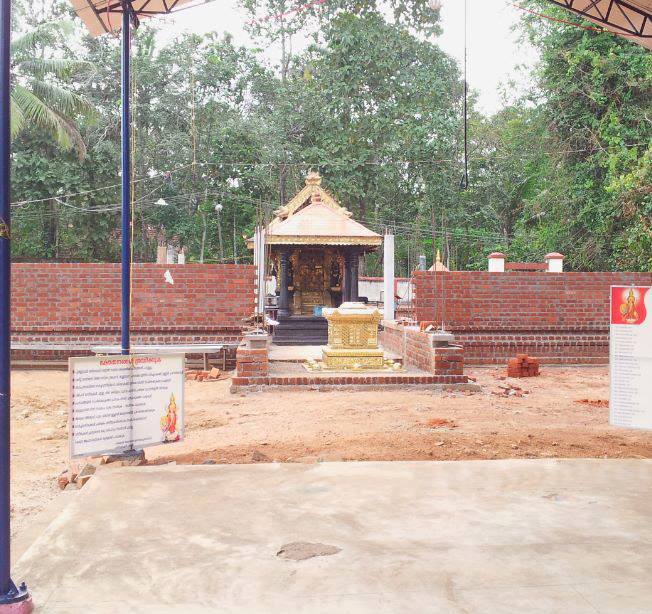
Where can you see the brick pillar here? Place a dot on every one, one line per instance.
(496, 262)
(448, 360)
(251, 365)
(555, 262)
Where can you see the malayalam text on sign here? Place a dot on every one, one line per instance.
(125, 402)
(630, 357)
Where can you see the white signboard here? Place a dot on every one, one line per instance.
(630, 357)
(119, 403)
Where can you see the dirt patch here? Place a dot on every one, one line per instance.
(594, 402)
(440, 423)
(302, 551)
(551, 421)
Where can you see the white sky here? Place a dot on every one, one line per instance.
(493, 51)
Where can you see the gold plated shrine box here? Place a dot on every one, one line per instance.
(352, 338)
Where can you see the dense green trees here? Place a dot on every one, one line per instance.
(597, 111)
(221, 139)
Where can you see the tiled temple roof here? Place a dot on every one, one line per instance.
(314, 217)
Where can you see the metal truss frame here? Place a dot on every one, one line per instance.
(638, 19)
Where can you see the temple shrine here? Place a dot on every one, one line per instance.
(314, 248)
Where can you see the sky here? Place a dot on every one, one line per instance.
(493, 49)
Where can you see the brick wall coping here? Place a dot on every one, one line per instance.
(393, 324)
(564, 274)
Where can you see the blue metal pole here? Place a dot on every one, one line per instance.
(9, 593)
(126, 178)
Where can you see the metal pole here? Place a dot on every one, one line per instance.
(9, 593)
(126, 179)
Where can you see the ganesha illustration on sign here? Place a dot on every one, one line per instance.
(628, 309)
(169, 422)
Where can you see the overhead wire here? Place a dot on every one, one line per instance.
(305, 165)
(21, 203)
(378, 221)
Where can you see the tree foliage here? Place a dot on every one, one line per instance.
(222, 137)
(596, 105)
(40, 94)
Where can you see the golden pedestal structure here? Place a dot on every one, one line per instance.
(352, 338)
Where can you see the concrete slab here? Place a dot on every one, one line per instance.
(294, 353)
(485, 536)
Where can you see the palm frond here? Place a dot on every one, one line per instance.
(63, 101)
(74, 135)
(39, 102)
(39, 114)
(42, 34)
(17, 118)
(60, 68)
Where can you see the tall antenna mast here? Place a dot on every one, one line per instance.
(464, 182)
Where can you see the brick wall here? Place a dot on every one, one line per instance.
(416, 349)
(558, 317)
(80, 304)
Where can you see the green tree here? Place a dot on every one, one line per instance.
(596, 100)
(40, 94)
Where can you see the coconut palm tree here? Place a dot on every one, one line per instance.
(41, 94)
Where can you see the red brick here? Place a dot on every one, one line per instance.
(563, 318)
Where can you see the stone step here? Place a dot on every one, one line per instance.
(302, 341)
(301, 330)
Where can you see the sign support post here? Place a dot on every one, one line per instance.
(12, 598)
(126, 178)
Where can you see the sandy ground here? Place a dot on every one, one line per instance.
(563, 413)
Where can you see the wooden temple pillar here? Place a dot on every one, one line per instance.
(351, 265)
(284, 292)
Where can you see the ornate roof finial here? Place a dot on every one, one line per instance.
(313, 178)
(438, 257)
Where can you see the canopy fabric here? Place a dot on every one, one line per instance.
(105, 16)
(631, 19)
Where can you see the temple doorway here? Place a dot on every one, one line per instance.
(315, 280)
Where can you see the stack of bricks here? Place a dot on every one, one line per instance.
(448, 360)
(522, 366)
(252, 366)
(210, 376)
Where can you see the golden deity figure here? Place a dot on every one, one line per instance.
(169, 422)
(628, 308)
